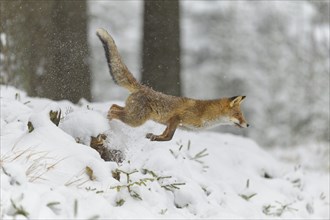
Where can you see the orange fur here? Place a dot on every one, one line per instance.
(146, 104)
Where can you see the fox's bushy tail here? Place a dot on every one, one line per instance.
(118, 70)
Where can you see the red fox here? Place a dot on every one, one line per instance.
(146, 104)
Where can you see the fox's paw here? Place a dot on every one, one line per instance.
(151, 136)
(109, 115)
(113, 114)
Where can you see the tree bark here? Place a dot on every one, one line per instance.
(161, 46)
(67, 69)
(47, 44)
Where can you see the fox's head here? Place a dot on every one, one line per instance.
(235, 114)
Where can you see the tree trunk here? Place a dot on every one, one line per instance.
(161, 46)
(24, 45)
(47, 48)
(67, 70)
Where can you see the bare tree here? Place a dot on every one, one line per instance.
(161, 46)
(67, 70)
(47, 44)
(23, 48)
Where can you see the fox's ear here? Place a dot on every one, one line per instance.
(236, 100)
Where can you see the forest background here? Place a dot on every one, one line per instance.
(274, 52)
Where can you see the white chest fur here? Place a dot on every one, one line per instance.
(208, 124)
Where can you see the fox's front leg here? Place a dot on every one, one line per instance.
(168, 133)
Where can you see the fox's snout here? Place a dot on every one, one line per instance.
(244, 125)
(239, 121)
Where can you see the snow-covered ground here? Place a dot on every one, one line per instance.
(47, 174)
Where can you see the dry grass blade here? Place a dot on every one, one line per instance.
(37, 163)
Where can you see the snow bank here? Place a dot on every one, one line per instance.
(46, 174)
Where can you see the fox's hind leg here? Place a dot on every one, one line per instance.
(133, 114)
(126, 117)
(113, 111)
